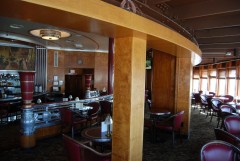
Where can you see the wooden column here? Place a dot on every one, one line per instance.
(183, 89)
(128, 108)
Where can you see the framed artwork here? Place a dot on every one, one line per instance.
(15, 58)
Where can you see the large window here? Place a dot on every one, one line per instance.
(222, 79)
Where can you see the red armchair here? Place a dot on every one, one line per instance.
(219, 151)
(81, 151)
(216, 103)
(93, 114)
(172, 124)
(227, 137)
(106, 108)
(70, 119)
(232, 125)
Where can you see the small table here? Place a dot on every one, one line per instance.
(157, 116)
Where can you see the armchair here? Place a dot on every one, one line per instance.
(172, 124)
(82, 151)
(226, 110)
(232, 125)
(93, 114)
(216, 103)
(227, 137)
(204, 104)
(106, 108)
(69, 119)
(219, 151)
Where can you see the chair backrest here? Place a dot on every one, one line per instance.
(227, 108)
(106, 107)
(77, 151)
(177, 122)
(227, 137)
(216, 103)
(219, 151)
(230, 98)
(95, 110)
(213, 93)
(232, 125)
(197, 97)
(66, 116)
(72, 148)
(203, 99)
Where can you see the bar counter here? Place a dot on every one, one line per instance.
(14, 98)
(44, 120)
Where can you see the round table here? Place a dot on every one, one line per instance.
(97, 137)
(94, 133)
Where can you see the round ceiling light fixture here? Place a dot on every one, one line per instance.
(50, 34)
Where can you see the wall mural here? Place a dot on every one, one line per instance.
(14, 58)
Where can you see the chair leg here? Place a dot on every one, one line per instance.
(173, 138)
(72, 132)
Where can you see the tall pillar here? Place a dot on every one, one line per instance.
(110, 65)
(128, 111)
(27, 138)
(183, 90)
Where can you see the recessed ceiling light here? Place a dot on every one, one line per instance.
(78, 45)
(228, 53)
(69, 40)
(78, 35)
(16, 26)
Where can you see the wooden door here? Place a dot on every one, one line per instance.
(74, 86)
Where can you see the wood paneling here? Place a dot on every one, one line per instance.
(101, 71)
(96, 62)
(47, 132)
(163, 81)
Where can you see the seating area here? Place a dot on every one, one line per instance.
(54, 149)
(226, 144)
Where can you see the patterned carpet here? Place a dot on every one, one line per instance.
(52, 149)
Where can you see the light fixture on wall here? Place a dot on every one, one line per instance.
(50, 34)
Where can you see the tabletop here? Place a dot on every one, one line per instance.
(95, 133)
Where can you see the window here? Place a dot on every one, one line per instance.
(212, 80)
(221, 82)
(195, 85)
(204, 84)
(204, 80)
(212, 85)
(231, 82)
(221, 86)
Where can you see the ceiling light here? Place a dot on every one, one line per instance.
(50, 34)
